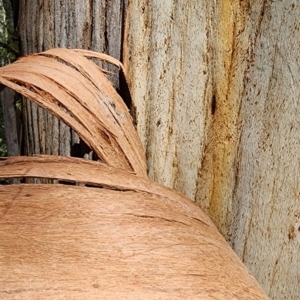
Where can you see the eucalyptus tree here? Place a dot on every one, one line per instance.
(215, 98)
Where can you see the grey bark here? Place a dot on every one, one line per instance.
(95, 25)
(11, 119)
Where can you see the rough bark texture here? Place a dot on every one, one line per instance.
(169, 73)
(215, 89)
(266, 197)
(11, 119)
(76, 90)
(94, 25)
(125, 236)
(11, 116)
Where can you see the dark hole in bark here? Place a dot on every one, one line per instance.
(213, 104)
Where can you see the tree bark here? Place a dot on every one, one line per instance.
(95, 25)
(11, 120)
(215, 90)
(11, 116)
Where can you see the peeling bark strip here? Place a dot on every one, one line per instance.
(240, 163)
(72, 169)
(75, 89)
(144, 242)
(95, 25)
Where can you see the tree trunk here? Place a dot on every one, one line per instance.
(95, 25)
(215, 89)
(11, 119)
(11, 115)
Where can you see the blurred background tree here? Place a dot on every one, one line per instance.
(10, 108)
(214, 86)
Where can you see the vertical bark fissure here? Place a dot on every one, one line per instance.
(92, 21)
(105, 46)
(124, 6)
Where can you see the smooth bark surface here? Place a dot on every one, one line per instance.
(216, 96)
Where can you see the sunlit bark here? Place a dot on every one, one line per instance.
(215, 85)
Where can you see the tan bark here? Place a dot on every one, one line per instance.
(76, 90)
(215, 89)
(130, 240)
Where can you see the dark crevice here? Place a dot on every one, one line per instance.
(158, 218)
(123, 8)
(213, 104)
(201, 221)
(123, 90)
(68, 182)
(106, 41)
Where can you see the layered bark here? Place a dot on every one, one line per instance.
(130, 238)
(147, 240)
(215, 90)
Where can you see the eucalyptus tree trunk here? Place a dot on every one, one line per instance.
(11, 114)
(216, 91)
(95, 25)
